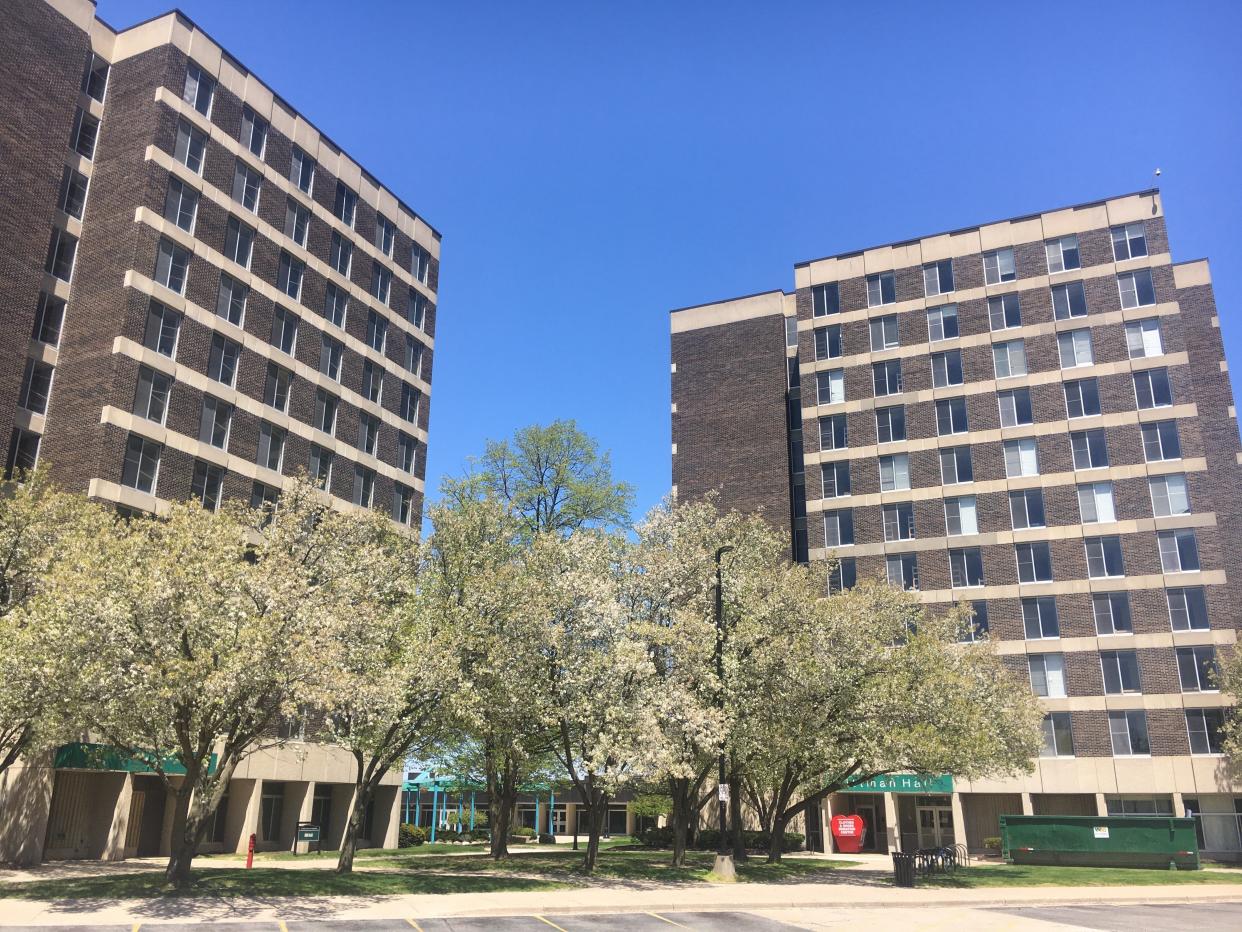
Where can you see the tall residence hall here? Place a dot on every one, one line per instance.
(1032, 416)
(203, 295)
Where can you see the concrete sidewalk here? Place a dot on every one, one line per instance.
(747, 897)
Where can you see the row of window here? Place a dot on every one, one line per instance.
(1197, 672)
(141, 471)
(199, 91)
(1062, 253)
(1128, 734)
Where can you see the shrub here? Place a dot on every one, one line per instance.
(524, 831)
(546, 839)
(448, 834)
(518, 839)
(992, 841)
(480, 834)
(657, 837)
(409, 836)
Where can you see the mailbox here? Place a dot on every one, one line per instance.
(848, 832)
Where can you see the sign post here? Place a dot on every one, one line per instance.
(250, 852)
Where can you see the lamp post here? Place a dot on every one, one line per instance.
(724, 867)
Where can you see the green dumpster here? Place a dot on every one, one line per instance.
(1100, 841)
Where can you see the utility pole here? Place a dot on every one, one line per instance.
(724, 868)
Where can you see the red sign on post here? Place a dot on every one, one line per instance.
(848, 832)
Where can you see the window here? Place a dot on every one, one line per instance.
(1063, 254)
(213, 426)
(1197, 669)
(1009, 358)
(1074, 347)
(368, 433)
(199, 89)
(1069, 300)
(163, 327)
(1089, 449)
(1095, 503)
(142, 464)
(206, 484)
(416, 311)
(1187, 609)
(898, 521)
(1048, 675)
(265, 497)
(977, 629)
(61, 252)
(364, 486)
(302, 171)
(835, 478)
(73, 185)
(410, 398)
(832, 432)
(151, 395)
(998, 266)
(325, 411)
(289, 276)
(1082, 398)
(385, 234)
(1034, 562)
(330, 353)
(938, 277)
(23, 452)
(838, 528)
(1026, 509)
(222, 359)
(830, 387)
(1104, 557)
(890, 424)
(284, 330)
(420, 267)
(903, 570)
(276, 388)
(372, 381)
(966, 567)
(95, 79)
(881, 289)
(271, 451)
(883, 333)
(402, 504)
(1058, 735)
(1112, 613)
(321, 466)
(1152, 389)
(942, 323)
(49, 316)
(381, 283)
(894, 472)
(253, 131)
(1179, 551)
(231, 299)
(1160, 441)
(886, 377)
(345, 204)
(946, 368)
(246, 186)
(960, 516)
(238, 242)
(1205, 728)
(341, 253)
(1169, 495)
(955, 466)
(1004, 312)
(843, 575)
(1121, 671)
(407, 452)
(1015, 407)
(189, 147)
(297, 221)
(1021, 458)
(1128, 731)
(1039, 618)
(1136, 288)
(1129, 242)
(1143, 338)
(85, 134)
(951, 416)
(335, 304)
(377, 331)
(36, 386)
(413, 361)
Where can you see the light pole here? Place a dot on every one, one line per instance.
(724, 858)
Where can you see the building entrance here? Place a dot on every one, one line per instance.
(935, 826)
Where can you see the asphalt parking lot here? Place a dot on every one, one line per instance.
(1202, 917)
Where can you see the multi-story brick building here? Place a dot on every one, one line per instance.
(1033, 416)
(205, 296)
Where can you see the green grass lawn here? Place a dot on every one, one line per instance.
(1029, 875)
(438, 848)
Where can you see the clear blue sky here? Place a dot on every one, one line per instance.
(592, 165)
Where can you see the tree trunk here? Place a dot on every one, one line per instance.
(501, 800)
(599, 812)
(679, 791)
(735, 817)
(190, 820)
(776, 843)
(349, 841)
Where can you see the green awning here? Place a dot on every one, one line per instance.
(83, 756)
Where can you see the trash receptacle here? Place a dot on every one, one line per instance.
(903, 869)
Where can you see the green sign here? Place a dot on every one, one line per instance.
(308, 833)
(906, 783)
(83, 756)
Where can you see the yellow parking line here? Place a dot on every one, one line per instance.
(283, 927)
(551, 923)
(414, 924)
(135, 928)
(669, 921)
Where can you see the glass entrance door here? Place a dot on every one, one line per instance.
(935, 826)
